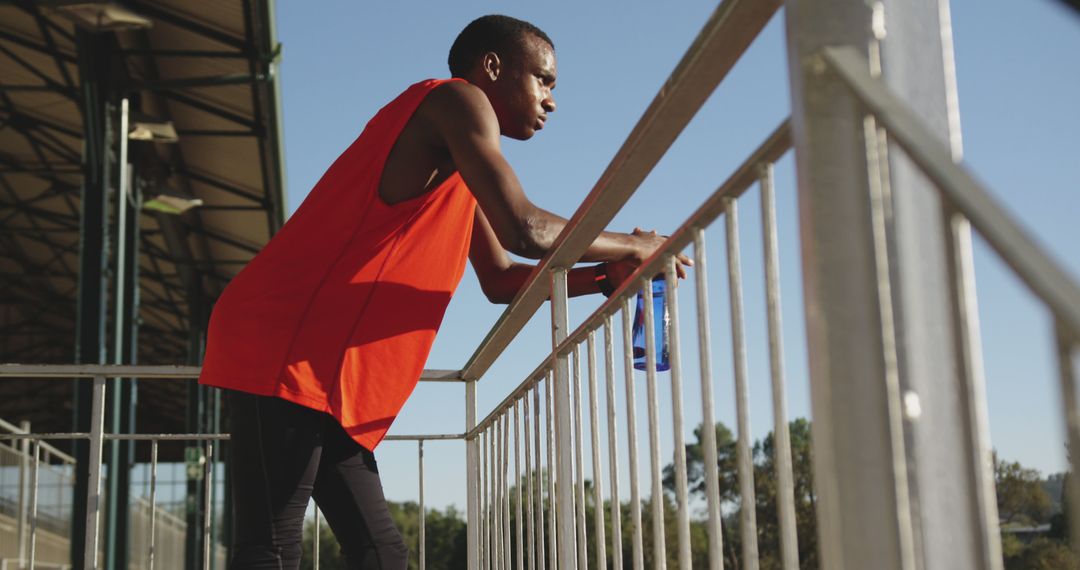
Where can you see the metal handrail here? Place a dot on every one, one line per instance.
(155, 372)
(725, 37)
(775, 145)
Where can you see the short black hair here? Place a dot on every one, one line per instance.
(492, 33)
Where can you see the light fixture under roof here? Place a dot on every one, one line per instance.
(171, 201)
(103, 16)
(154, 130)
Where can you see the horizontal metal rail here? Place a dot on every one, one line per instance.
(1045, 277)
(722, 41)
(142, 372)
(777, 143)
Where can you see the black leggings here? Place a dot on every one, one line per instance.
(281, 455)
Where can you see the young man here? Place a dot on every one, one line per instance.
(323, 336)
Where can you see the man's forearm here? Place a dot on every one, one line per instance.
(579, 281)
(608, 246)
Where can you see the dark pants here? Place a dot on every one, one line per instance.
(281, 455)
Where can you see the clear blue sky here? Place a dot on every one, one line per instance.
(1019, 86)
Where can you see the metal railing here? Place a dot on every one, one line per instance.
(526, 465)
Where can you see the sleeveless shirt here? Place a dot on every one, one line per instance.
(339, 310)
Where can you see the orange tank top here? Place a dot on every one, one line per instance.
(339, 310)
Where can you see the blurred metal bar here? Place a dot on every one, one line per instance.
(708, 429)
(744, 457)
(579, 500)
(597, 468)
(724, 37)
(657, 498)
(681, 494)
(34, 470)
(632, 440)
(973, 383)
(1044, 276)
(208, 504)
(423, 514)
(518, 483)
(909, 88)
(1067, 367)
(564, 458)
(785, 491)
(153, 503)
(93, 489)
(613, 444)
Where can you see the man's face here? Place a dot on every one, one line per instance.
(522, 95)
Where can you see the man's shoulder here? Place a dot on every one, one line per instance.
(456, 101)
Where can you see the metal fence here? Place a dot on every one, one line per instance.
(900, 440)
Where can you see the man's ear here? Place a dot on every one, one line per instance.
(491, 65)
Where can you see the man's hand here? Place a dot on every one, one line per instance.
(647, 244)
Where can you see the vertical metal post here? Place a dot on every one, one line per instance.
(893, 429)
(208, 505)
(117, 495)
(632, 440)
(93, 491)
(23, 517)
(485, 513)
(472, 489)
(529, 548)
(564, 488)
(517, 485)
(504, 469)
(744, 457)
(316, 547)
(94, 70)
(549, 418)
(423, 543)
(153, 501)
(582, 554)
(594, 432)
(657, 499)
(1067, 369)
(34, 470)
(785, 492)
(613, 444)
(541, 558)
(708, 429)
(681, 494)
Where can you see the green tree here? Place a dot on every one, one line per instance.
(765, 487)
(445, 539)
(1021, 497)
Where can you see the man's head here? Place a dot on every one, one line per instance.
(513, 62)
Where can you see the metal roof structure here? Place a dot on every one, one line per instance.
(205, 67)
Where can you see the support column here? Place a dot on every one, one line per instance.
(94, 73)
(898, 454)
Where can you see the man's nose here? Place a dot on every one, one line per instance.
(549, 104)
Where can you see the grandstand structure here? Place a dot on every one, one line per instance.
(140, 168)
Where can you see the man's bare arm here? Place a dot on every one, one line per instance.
(464, 119)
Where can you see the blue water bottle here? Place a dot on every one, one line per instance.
(661, 323)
